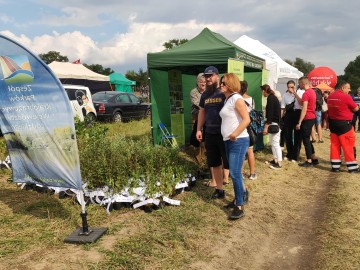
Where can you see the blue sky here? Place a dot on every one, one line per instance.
(119, 34)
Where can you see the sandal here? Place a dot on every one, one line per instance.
(208, 184)
(226, 183)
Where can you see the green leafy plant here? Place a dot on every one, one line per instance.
(120, 161)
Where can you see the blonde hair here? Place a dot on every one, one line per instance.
(231, 81)
(200, 76)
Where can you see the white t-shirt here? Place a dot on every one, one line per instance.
(300, 93)
(287, 99)
(251, 103)
(231, 119)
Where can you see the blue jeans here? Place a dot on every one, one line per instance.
(236, 151)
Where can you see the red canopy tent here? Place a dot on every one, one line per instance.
(324, 87)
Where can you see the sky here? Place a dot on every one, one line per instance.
(119, 34)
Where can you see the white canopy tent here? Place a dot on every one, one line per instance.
(279, 71)
(69, 73)
(66, 70)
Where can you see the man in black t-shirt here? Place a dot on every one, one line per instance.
(211, 102)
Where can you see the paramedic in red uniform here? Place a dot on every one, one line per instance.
(342, 134)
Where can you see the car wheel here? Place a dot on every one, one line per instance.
(117, 118)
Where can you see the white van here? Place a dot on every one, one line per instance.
(81, 102)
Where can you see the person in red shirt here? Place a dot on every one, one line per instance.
(307, 121)
(342, 135)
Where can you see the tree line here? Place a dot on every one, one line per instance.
(351, 71)
(140, 77)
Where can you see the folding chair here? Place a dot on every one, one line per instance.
(167, 139)
(6, 162)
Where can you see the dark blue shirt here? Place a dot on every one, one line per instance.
(212, 103)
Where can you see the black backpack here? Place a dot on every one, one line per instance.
(319, 99)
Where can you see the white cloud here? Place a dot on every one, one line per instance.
(74, 16)
(6, 19)
(333, 28)
(123, 48)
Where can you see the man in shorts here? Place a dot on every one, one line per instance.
(211, 102)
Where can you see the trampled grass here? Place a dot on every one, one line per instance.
(193, 236)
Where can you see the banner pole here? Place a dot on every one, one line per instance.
(84, 235)
(83, 214)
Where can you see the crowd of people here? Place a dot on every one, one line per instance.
(221, 106)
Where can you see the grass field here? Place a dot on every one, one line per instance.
(296, 219)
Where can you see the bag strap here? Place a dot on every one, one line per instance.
(229, 97)
(247, 104)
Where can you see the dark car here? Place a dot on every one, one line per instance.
(119, 106)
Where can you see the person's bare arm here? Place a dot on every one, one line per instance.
(240, 107)
(200, 124)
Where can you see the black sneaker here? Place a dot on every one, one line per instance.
(271, 162)
(246, 196)
(218, 194)
(335, 170)
(275, 166)
(230, 205)
(315, 161)
(306, 164)
(237, 213)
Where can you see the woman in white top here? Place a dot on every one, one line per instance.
(250, 103)
(235, 119)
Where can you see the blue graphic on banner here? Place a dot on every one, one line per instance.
(36, 120)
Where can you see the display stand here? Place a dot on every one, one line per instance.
(84, 235)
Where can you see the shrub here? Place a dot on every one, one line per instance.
(118, 161)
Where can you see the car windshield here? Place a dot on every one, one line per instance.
(101, 97)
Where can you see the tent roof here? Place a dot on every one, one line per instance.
(207, 48)
(324, 87)
(118, 78)
(284, 70)
(66, 70)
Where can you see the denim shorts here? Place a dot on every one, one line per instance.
(318, 117)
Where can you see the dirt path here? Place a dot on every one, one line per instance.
(280, 227)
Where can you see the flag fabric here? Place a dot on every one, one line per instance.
(36, 120)
(76, 61)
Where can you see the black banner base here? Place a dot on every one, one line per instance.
(79, 237)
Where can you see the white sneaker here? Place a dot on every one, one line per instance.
(253, 176)
(285, 158)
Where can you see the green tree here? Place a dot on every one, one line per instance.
(99, 69)
(352, 73)
(300, 64)
(172, 43)
(140, 77)
(53, 56)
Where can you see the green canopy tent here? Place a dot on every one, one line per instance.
(121, 83)
(173, 74)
